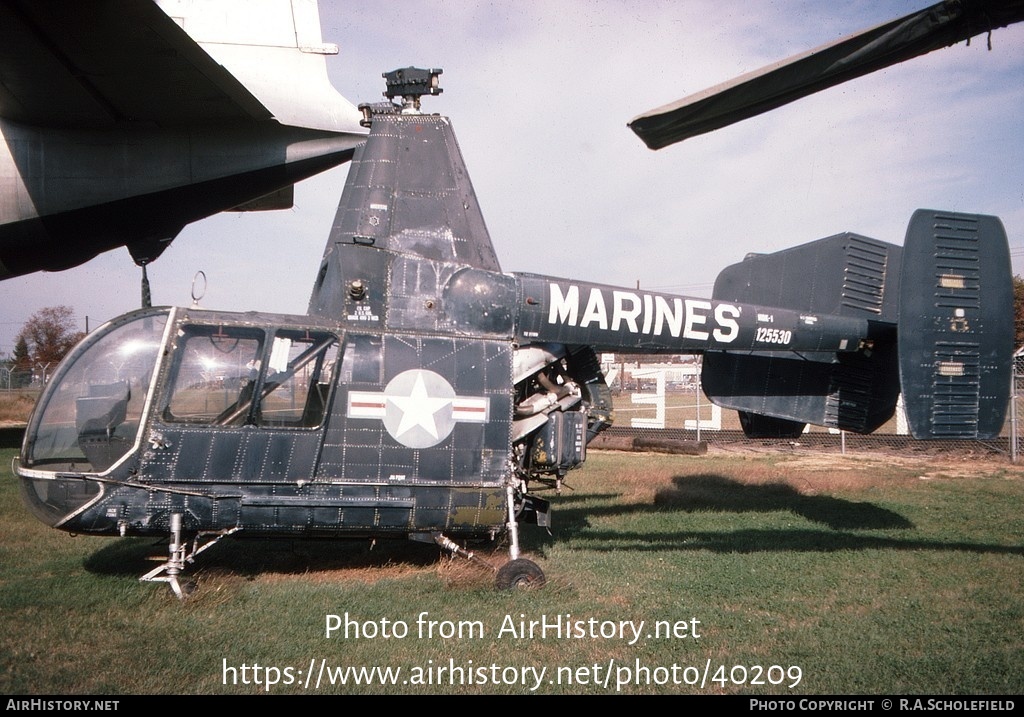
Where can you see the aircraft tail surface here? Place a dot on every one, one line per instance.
(956, 325)
(274, 48)
(940, 312)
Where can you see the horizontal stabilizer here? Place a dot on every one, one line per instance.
(849, 391)
(843, 275)
(101, 65)
(275, 50)
(174, 63)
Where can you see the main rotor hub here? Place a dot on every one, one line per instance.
(411, 83)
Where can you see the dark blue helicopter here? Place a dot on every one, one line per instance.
(427, 394)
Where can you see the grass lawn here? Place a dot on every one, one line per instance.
(791, 573)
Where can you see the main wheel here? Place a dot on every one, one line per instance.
(519, 574)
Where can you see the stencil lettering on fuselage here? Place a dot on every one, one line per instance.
(641, 313)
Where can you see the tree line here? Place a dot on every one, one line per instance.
(43, 341)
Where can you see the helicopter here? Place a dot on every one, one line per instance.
(426, 394)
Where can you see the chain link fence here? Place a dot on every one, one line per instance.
(11, 380)
(18, 393)
(20, 379)
(665, 401)
(1016, 412)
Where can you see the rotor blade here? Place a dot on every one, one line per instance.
(918, 33)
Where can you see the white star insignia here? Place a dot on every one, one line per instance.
(418, 409)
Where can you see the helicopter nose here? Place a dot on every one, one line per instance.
(54, 500)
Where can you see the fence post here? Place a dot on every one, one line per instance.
(1013, 409)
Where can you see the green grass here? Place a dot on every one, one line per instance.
(871, 575)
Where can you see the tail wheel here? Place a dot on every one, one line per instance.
(519, 574)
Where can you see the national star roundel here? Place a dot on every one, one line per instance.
(419, 408)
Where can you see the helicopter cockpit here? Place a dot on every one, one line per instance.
(181, 373)
(89, 417)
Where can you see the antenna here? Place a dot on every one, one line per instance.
(198, 293)
(147, 297)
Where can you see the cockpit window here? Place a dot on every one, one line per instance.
(227, 376)
(93, 406)
(299, 374)
(215, 376)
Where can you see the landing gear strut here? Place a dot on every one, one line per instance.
(179, 553)
(518, 572)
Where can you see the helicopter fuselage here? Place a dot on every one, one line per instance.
(293, 425)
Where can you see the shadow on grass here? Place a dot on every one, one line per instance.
(250, 557)
(772, 541)
(687, 494)
(714, 493)
(707, 493)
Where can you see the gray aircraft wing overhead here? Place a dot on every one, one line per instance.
(918, 33)
(102, 64)
(121, 121)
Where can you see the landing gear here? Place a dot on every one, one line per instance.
(516, 574)
(519, 574)
(179, 554)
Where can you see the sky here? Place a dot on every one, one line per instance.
(539, 93)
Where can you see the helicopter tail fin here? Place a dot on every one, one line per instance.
(940, 316)
(955, 325)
